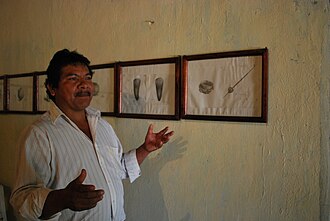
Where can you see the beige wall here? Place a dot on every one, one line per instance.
(211, 170)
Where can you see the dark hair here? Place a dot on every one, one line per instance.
(60, 60)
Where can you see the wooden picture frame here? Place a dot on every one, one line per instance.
(2, 94)
(149, 89)
(104, 88)
(227, 86)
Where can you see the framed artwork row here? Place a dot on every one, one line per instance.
(225, 86)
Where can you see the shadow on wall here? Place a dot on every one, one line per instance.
(147, 200)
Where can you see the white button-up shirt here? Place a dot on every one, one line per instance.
(53, 151)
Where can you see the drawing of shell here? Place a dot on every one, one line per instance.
(136, 87)
(159, 87)
(206, 87)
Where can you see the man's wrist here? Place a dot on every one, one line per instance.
(55, 203)
(143, 146)
(141, 153)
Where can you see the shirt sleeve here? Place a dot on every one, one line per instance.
(29, 192)
(132, 166)
(128, 160)
(30, 203)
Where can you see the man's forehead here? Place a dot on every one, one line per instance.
(75, 69)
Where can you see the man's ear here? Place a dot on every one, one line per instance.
(51, 90)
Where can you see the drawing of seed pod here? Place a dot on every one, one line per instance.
(20, 94)
(230, 90)
(159, 87)
(206, 87)
(136, 87)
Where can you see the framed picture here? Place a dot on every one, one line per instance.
(228, 86)
(43, 101)
(149, 88)
(104, 88)
(20, 88)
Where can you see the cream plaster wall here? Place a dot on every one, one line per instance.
(211, 170)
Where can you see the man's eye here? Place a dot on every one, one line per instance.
(72, 78)
(88, 77)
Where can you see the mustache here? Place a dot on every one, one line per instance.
(83, 94)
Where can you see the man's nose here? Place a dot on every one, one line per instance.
(83, 82)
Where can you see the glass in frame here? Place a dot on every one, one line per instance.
(20, 89)
(149, 88)
(43, 101)
(104, 88)
(228, 86)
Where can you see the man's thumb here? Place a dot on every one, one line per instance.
(80, 179)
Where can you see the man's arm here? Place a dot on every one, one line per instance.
(76, 196)
(153, 141)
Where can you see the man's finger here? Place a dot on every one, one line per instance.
(150, 129)
(162, 132)
(85, 188)
(95, 194)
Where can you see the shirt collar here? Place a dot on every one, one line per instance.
(55, 112)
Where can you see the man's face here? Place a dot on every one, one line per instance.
(75, 89)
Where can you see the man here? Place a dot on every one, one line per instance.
(71, 163)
